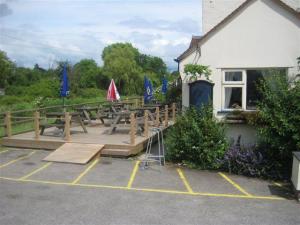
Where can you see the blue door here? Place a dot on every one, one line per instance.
(200, 93)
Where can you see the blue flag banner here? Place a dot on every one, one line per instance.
(64, 86)
(164, 86)
(148, 93)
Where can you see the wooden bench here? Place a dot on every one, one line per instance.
(58, 123)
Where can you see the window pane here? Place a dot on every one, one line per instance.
(253, 79)
(253, 95)
(233, 98)
(234, 76)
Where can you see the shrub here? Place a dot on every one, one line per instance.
(278, 121)
(197, 139)
(247, 160)
(91, 93)
(174, 94)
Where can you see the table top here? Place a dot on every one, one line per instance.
(145, 108)
(56, 114)
(126, 112)
(88, 108)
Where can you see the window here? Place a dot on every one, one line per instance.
(233, 76)
(233, 97)
(240, 87)
(253, 95)
(233, 83)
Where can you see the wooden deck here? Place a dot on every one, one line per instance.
(116, 144)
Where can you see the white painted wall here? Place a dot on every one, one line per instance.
(248, 133)
(263, 35)
(214, 11)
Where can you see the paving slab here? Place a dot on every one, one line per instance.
(257, 186)
(158, 177)
(110, 171)
(24, 166)
(60, 172)
(12, 154)
(209, 182)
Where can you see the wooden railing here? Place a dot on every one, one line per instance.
(33, 118)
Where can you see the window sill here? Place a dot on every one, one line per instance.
(237, 111)
(235, 116)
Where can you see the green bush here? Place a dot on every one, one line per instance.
(91, 93)
(174, 94)
(278, 121)
(44, 88)
(197, 139)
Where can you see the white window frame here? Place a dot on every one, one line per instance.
(231, 84)
(234, 82)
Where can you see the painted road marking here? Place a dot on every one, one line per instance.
(16, 160)
(36, 171)
(3, 151)
(184, 180)
(235, 184)
(133, 174)
(85, 171)
(145, 189)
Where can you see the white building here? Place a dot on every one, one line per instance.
(241, 39)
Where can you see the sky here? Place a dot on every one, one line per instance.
(47, 31)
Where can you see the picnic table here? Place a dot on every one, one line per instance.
(87, 113)
(151, 112)
(122, 117)
(60, 121)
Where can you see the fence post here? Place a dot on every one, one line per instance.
(37, 125)
(136, 103)
(174, 112)
(67, 126)
(146, 127)
(8, 124)
(166, 116)
(157, 117)
(132, 129)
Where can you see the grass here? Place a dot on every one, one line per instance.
(19, 128)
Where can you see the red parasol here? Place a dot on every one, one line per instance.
(112, 93)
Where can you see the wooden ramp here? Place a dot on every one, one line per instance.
(74, 153)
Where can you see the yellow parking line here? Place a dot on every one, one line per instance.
(16, 160)
(85, 171)
(3, 151)
(133, 174)
(36, 171)
(146, 189)
(184, 180)
(235, 184)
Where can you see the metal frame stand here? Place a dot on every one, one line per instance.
(149, 156)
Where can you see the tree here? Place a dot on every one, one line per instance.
(6, 69)
(153, 66)
(120, 64)
(85, 73)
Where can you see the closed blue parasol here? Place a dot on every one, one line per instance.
(164, 87)
(148, 93)
(64, 85)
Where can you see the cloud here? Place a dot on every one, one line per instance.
(5, 10)
(185, 25)
(46, 31)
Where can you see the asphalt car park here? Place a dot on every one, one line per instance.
(133, 194)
